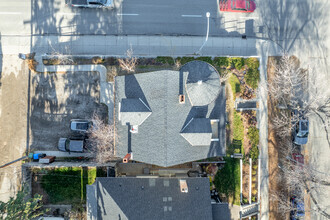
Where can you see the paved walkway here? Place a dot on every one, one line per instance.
(141, 45)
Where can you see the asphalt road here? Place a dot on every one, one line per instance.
(129, 17)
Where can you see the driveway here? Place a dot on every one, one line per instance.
(56, 98)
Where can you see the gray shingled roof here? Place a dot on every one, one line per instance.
(198, 132)
(203, 83)
(151, 198)
(133, 111)
(159, 139)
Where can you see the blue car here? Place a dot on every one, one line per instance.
(298, 209)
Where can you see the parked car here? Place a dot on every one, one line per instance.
(298, 209)
(90, 3)
(300, 127)
(246, 6)
(299, 158)
(80, 125)
(71, 145)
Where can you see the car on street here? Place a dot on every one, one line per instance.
(71, 145)
(246, 6)
(80, 125)
(297, 209)
(300, 127)
(90, 3)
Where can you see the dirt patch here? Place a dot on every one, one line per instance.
(57, 98)
(13, 121)
(276, 185)
(246, 173)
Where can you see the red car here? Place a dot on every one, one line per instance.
(246, 6)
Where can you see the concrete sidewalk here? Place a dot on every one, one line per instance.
(149, 46)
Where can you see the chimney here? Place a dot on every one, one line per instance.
(128, 157)
(183, 186)
(181, 99)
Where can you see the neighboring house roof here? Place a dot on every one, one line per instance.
(148, 198)
(198, 131)
(203, 83)
(133, 111)
(159, 140)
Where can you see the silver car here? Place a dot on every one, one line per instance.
(80, 125)
(300, 126)
(91, 3)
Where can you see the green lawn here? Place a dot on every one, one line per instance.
(67, 185)
(235, 85)
(227, 180)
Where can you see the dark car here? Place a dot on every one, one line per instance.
(71, 145)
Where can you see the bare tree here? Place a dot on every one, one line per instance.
(60, 58)
(128, 63)
(288, 82)
(101, 140)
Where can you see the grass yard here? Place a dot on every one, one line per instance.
(227, 180)
(67, 185)
(235, 85)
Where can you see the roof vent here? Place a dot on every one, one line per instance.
(134, 129)
(128, 157)
(183, 186)
(181, 99)
(199, 82)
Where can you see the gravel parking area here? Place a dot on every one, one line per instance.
(56, 98)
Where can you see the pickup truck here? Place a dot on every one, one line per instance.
(90, 3)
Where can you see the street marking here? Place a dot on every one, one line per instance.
(128, 14)
(192, 16)
(64, 13)
(10, 13)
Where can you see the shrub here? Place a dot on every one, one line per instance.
(184, 60)
(245, 201)
(254, 153)
(254, 172)
(255, 167)
(206, 59)
(254, 192)
(252, 63)
(253, 199)
(254, 179)
(97, 60)
(237, 62)
(252, 78)
(253, 134)
(165, 60)
(221, 61)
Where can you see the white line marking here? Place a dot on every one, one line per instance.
(128, 14)
(64, 13)
(10, 13)
(192, 16)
